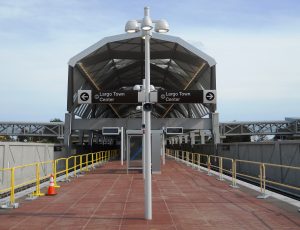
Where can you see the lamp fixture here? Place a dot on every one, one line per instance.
(132, 26)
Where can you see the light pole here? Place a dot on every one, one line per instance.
(161, 26)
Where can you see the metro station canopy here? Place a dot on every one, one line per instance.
(117, 63)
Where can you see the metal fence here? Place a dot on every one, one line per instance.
(36, 173)
(257, 171)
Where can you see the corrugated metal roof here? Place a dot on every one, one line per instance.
(118, 61)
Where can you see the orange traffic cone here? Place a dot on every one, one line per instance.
(51, 188)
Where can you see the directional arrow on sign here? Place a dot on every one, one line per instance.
(210, 96)
(84, 96)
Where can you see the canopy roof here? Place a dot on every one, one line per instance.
(117, 62)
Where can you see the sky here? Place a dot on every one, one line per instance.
(256, 44)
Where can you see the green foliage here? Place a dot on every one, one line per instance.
(55, 120)
(5, 138)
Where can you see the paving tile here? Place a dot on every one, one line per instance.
(183, 198)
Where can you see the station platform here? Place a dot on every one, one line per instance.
(183, 198)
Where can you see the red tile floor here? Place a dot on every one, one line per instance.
(183, 198)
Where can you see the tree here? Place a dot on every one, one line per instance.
(5, 138)
(55, 120)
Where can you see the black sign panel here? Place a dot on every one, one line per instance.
(174, 130)
(115, 97)
(183, 96)
(110, 131)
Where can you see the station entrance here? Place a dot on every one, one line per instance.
(134, 150)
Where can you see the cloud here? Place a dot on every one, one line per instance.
(256, 47)
(258, 75)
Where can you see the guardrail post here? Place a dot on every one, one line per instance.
(193, 160)
(67, 168)
(93, 167)
(233, 174)
(221, 169)
(187, 159)
(55, 174)
(86, 162)
(67, 179)
(80, 162)
(11, 203)
(12, 186)
(199, 162)
(262, 176)
(208, 166)
(37, 192)
(75, 166)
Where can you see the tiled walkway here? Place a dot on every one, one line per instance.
(183, 198)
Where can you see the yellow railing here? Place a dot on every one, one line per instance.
(71, 164)
(212, 162)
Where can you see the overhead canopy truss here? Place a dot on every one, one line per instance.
(117, 63)
(47, 129)
(50, 129)
(287, 127)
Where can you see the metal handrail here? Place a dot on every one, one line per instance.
(262, 176)
(96, 158)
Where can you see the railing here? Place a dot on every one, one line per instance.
(212, 162)
(74, 164)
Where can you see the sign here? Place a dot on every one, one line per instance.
(162, 97)
(115, 97)
(184, 96)
(174, 130)
(84, 96)
(107, 97)
(110, 130)
(209, 96)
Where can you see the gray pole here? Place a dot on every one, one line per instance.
(148, 180)
(122, 145)
(143, 122)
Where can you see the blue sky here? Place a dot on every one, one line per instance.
(255, 43)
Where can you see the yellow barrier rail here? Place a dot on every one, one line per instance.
(213, 162)
(68, 165)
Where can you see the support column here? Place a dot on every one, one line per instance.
(180, 140)
(68, 132)
(215, 127)
(97, 138)
(202, 137)
(186, 138)
(192, 136)
(163, 148)
(81, 137)
(91, 138)
(70, 89)
(122, 145)
(156, 150)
